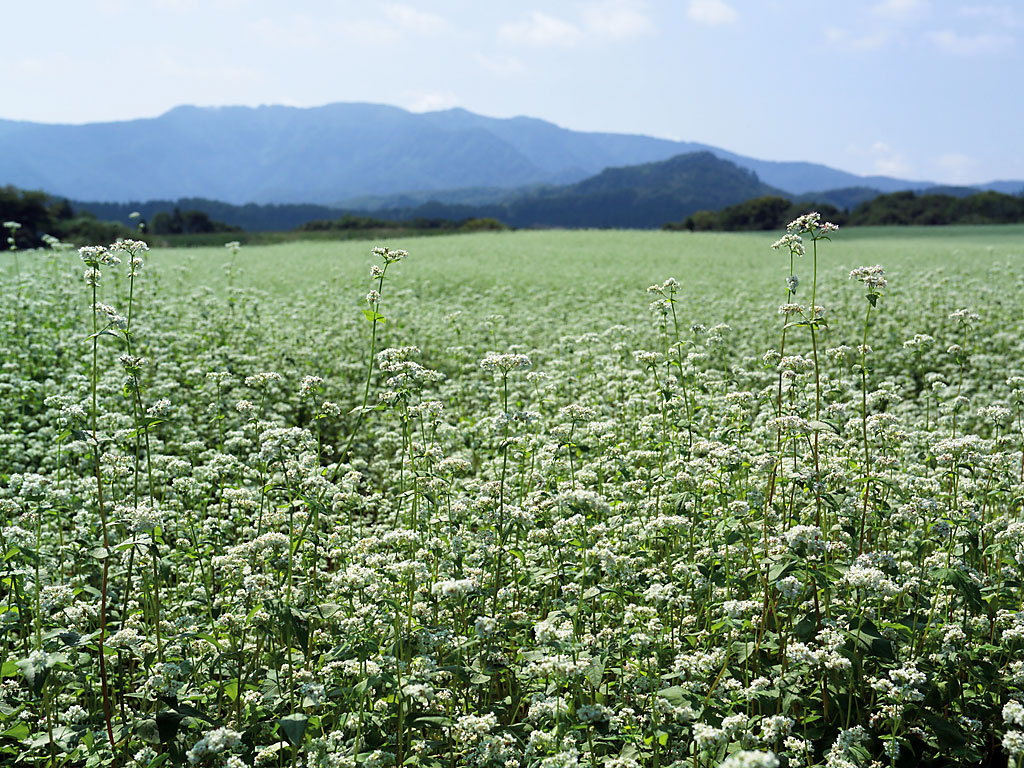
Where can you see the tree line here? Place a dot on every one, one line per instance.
(40, 214)
(772, 212)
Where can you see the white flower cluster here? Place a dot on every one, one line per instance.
(213, 743)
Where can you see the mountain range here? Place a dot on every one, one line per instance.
(365, 156)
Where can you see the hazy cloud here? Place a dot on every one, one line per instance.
(956, 167)
(175, 5)
(898, 9)
(607, 20)
(51, 67)
(889, 162)
(843, 39)
(415, 20)
(430, 101)
(174, 67)
(500, 65)
(1000, 15)
(969, 45)
(113, 7)
(617, 20)
(541, 29)
(881, 159)
(299, 32)
(711, 12)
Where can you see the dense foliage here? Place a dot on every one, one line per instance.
(503, 513)
(188, 222)
(251, 217)
(39, 214)
(761, 214)
(351, 221)
(772, 212)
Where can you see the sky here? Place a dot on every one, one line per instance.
(917, 89)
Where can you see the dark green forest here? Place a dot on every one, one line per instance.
(898, 208)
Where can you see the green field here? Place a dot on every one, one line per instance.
(514, 508)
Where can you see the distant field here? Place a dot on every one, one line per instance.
(498, 503)
(592, 277)
(610, 261)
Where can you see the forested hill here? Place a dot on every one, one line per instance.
(641, 197)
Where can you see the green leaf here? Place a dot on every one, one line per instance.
(817, 426)
(374, 317)
(367, 408)
(19, 732)
(148, 731)
(780, 568)
(947, 734)
(327, 610)
(675, 695)
(434, 720)
(294, 728)
(167, 723)
(743, 650)
(963, 584)
(868, 639)
(187, 710)
(149, 424)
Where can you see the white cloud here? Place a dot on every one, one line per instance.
(170, 64)
(500, 65)
(113, 7)
(956, 168)
(175, 5)
(969, 45)
(887, 161)
(414, 20)
(602, 21)
(1000, 15)
(711, 12)
(541, 29)
(298, 33)
(47, 66)
(617, 20)
(898, 9)
(880, 158)
(843, 39)
(430, 101)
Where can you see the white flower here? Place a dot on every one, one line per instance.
(1013, 713)
(751, 759)
(213, 743)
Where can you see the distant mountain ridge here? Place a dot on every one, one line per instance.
(638, 196)
(347, 151)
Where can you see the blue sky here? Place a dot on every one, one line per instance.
(920, 89)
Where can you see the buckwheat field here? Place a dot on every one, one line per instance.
(495, 502)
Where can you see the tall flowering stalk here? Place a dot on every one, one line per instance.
(94, 257)
(12, 228)
(503, 365)
(811, 226)
(373, 315)
(874, 280)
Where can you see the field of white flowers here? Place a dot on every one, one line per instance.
(491, 503)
